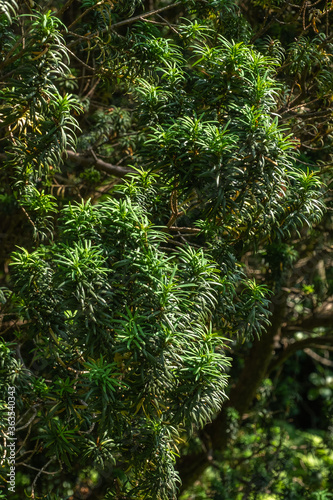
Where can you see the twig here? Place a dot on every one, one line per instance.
(169, 24)
(30, 454)
(80, 61)
(44, 471)
(89, 431)
(27, 434)
(8, 325)
(147, 14)
(37, 476)
(300, 105)
(4, 449)
(10, 52)
(29, 421)
(191, 230)
(92, 90)
(298, 346)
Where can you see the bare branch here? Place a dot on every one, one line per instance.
(84, 160)
(37, 476)
(79, 60)
(29, 421)
(126, 22)
(321, 317)
(188, 230)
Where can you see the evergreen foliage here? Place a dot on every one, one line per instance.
(163, 169)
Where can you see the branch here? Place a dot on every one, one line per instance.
(29, 421)
(84, 160)
(313, 114)
(321, 317)
(8, 325)
(299, 346)
(80, 61)
(85, 13)
(215, 435)
(42, 470)
(189, 230)
(126, 22)
(87, 161)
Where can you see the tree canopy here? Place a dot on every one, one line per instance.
(166, 216)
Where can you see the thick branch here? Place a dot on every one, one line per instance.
(89, 161)
(299, 346)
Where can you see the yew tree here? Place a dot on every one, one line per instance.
(165, 215)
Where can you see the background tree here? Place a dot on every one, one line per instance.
(164, 174)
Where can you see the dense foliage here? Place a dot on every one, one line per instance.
(165, 213)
